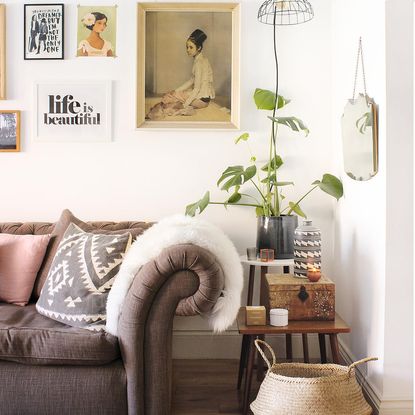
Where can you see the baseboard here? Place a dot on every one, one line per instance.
(372, 394)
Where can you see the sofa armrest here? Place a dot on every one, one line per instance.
(183, 280)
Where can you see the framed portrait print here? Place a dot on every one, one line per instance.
(9, 130)
(188, 65)
(2, 51)
(73, 111)
(44, 31)
(97, 31)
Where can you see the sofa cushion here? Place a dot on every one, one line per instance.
(30, 338)
(59, 229)
(20, 259)
(81, 276)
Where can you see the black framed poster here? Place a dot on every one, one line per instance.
(44, 31)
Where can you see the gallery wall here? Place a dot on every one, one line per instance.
(148, 175)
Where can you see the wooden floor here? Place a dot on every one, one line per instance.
(207, 387)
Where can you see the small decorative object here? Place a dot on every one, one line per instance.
(307, 249)
(44, 31)
(313, 274)
(278, 317)
(302, 388)
(73, 111)
(9, 130)
(266, 255)
(255, 315)
(305, 300)
(181, 80)
(97, 31)
(251, 253)
(2, 51)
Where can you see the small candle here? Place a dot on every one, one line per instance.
(313, 274)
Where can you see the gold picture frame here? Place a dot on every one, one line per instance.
(2, 51)
(9, 131)
(165, 70)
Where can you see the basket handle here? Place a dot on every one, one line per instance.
(366, 359)
(257, 342)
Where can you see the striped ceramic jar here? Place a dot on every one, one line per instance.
(307, 249)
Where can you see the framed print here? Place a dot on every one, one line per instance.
(2, 51)
(97, 31)
(44, 31)
(9, 130)
(73, 111)
(188, 65)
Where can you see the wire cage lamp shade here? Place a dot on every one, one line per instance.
(285, 12)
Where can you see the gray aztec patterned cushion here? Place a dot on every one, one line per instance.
(80, 277)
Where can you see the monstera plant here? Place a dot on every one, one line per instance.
(266, 193)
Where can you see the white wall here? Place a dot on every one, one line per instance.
(398, 378)
(373, 228)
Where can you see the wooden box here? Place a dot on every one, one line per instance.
(304, 300)
(255, 315)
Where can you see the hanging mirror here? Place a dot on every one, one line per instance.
(360, 132)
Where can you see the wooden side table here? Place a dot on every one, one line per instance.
(286, 265)
(331, 328)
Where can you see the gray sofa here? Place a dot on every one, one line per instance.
(47, 367)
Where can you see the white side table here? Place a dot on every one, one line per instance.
(285, 263)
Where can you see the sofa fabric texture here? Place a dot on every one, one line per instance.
(58, 230)
(63, 390)
(20, 259)
(30, 338)
(81, 276)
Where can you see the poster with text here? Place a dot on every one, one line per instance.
(43, 31)
(73, 111)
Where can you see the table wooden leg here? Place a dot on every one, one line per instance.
(242, 360)
(322, 342)
(289, 347)
(251, 284)
(248, 377)
(263, 294)
(334, 344)
(305, 348)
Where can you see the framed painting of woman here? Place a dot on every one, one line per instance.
(188, 65)
(44, 31)
(97, 29)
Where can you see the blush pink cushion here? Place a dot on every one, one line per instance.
(20, 260)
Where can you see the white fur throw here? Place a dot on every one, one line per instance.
(181, 229)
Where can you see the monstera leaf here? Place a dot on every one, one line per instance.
(265, 100)
(331, 185)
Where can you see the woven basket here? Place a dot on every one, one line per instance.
(300, 388)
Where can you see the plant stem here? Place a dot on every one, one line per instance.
(234, 204)
(296, 203)
(274, 124)
(259, 190)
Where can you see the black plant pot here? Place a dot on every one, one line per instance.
(277, 233)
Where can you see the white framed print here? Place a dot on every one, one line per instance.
(78, 111)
